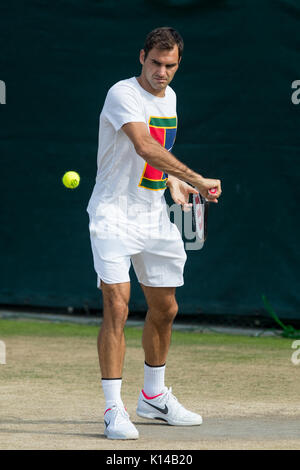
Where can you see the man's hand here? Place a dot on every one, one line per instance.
(180, 192)
(204, 185)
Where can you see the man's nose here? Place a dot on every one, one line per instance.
(162, 70)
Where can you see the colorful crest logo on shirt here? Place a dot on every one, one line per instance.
(162, 129)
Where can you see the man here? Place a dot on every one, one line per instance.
(129, 223)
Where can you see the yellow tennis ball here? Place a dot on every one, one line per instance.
(71, 179)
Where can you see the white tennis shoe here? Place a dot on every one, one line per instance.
(166, 407)
(118, 425)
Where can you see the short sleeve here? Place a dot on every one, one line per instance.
(123, 105)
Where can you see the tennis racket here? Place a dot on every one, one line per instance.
(200, 215)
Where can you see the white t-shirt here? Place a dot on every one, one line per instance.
(123, 177)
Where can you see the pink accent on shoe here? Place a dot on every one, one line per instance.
(107, 410)
(150, 398)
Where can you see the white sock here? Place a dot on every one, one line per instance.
(112, 392)
(154, 379)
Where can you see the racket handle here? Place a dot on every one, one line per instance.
(212, 191)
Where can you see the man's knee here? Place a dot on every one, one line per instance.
(171, 311)
(115, 308)
(165, 312)
(115, 314)
(115, 311)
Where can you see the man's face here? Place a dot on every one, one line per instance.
(159, 67)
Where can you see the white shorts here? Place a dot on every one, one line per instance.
(157, 254)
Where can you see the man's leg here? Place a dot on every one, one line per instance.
(111, 341)
(155, 400)
(162, 309)
(111, 351)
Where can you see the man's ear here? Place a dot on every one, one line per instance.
(142, 56)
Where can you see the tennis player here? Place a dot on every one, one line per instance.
(129, 222)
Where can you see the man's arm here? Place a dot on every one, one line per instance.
(160, 158)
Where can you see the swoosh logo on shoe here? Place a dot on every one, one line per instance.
(106, 423)
(162, 410)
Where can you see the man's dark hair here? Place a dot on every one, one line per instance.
(163, 38)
